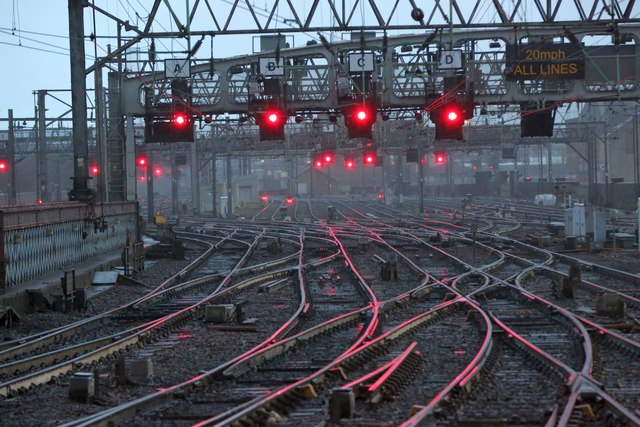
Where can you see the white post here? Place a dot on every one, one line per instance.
(638, 211)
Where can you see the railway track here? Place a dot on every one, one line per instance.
(378, 314)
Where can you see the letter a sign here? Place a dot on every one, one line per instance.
(174, 68)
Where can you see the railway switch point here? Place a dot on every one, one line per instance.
(220, 313)
(363, 245)
(415, 409)
(611, 305)
(82, 387)
(308, 391)
(141, 369)
(342, 404)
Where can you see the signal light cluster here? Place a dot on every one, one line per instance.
(369, 158)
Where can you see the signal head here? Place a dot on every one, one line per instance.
(180, 119)
(349, 163)
(370, 159)
(453, 115)
(328, 158)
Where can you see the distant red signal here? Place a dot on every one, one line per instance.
(370, 159)
(157, 171)
(380, 196)
(440, 158)
(349, 163)
(94, 170)
(317, 162)
(4, 166)
(289, 200)
(141, 161)
(327, 158)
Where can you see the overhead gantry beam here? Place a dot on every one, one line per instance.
(220, 17)
(408, 71)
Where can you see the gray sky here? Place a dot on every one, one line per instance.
(37, 57)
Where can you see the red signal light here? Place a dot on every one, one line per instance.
(157, 171)
(349, 163)
(380, 196)
(3, 166)
(317, 162)
(272, 118)
(449, 119)
(361, 114)
(453, 115)
(289, 200)
(327, 158)
(370, 158)
(180, 119)
(142, 162)
(359, 119)
(440, 158)
(94, 169)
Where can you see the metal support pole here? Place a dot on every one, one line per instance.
(229, 183)
(214, 172)
(311, 167)
(150, 202)
(11, 147)
(195, 177)
(128, 157)
(80, 189)
(449, 174)
(41, 164)
(549, 161)
(421, 175)
(174, 183)
(636, 166)
(606, 166)
(399, 180)
(101, 137)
